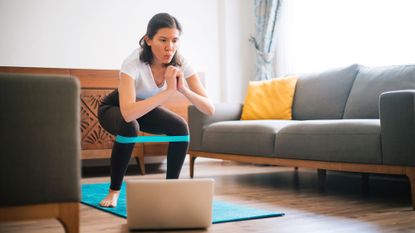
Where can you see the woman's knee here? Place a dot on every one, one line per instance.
(128, 129)
(112, 121)
(180, 127)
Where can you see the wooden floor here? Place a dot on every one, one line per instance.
(343, 207)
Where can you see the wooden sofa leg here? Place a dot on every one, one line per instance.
(365, 182)
(321, 175)
(69, 216)
(410, 172)
(192, 165)
(140, 162)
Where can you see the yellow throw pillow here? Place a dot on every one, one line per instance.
(270, 99)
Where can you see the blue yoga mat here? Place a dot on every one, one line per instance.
(222, 211)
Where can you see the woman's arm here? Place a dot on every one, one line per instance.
(196, 93)
(132, 110)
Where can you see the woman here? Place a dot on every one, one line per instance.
(149, 77)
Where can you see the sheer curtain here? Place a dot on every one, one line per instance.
(321, 34)
(266, 12)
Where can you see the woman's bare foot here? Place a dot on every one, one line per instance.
(111, 199)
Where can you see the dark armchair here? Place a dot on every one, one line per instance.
(40, 149)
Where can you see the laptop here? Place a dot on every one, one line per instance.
(169, 204)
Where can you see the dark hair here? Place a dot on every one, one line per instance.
(158, 21)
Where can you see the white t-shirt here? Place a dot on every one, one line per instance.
(145, 86)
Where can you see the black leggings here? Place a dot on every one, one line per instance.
(158, 121)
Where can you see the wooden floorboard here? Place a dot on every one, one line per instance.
(343, 207)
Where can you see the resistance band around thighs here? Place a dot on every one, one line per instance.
(160, 138)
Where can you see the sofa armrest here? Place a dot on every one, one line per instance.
(198, 121)
(40, 139)
(397, 120)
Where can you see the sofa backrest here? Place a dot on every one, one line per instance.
(323, 95)
(363, 101)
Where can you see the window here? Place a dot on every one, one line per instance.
(320, 34)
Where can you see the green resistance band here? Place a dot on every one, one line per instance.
(161, 138)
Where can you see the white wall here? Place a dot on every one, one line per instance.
(99, 34)
(238, 57)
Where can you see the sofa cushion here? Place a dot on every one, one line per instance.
(251, 137)
(323, 95)
(356, 141)
(363, 102)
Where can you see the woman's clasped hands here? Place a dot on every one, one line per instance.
(175, 79)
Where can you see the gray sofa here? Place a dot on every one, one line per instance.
(40, 149)
(354, 118)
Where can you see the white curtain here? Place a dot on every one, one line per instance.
(266, 12)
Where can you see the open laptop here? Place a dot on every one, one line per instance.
(169, 204)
